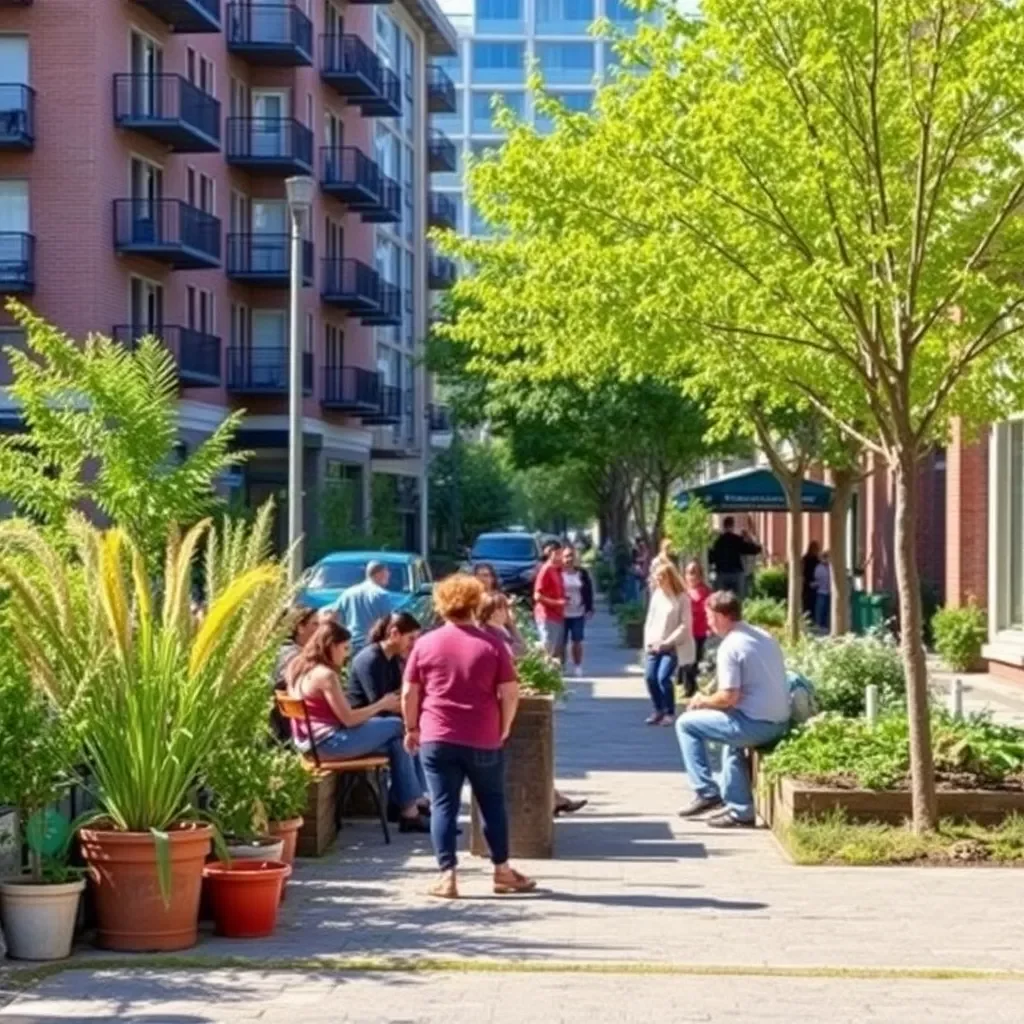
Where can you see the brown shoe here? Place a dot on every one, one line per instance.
(509, 881)
(445, 888)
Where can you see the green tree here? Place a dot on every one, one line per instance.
(826, 191)
(102, 430)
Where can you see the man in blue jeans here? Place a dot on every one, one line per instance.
(749, 708)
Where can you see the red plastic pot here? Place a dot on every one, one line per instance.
(245, 895)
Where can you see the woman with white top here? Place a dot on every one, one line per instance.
(668, 641)
(579, 606)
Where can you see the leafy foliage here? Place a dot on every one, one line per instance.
(690, 530)
(765, 612)
(959, 634)
(833, 750)
(103, 428)
(772, 582)
(841, 669)
(539, 674)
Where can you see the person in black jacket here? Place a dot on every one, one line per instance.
(726, 557)
(377, 669)
(579, 605)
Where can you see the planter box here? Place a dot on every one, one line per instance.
(789, 800)
(319, 822)
(633, 635)
(529, 784)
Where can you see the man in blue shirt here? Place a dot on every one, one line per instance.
(364, 603)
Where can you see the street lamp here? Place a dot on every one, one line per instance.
(300, 191)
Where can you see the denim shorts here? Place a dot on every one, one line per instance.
(574, 629)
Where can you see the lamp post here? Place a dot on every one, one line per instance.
(300, 191)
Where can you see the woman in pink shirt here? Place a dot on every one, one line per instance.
(698, 592)
(459, 700)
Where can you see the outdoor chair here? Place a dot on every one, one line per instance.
(351, 772)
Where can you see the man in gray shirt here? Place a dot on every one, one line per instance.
(749, 708)
(362, 604)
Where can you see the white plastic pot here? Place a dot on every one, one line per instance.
(260, 848)
(39, 919)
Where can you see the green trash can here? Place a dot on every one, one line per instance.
(876, 611)
(857, 601)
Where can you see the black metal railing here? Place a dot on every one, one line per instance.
(346, 169)
(274, 141)
(165, 223)
(440, 91)
(17, 261)
(265, 368)
(196, 352)
(441, 210)
(252, 27)
(351, 387)
(441, 154)
(17, 114)
(267, 256)
(350, 282)
(186, 15)
(141, 99)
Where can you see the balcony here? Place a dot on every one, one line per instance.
(270, 145)
(441, 272)
(169, 109)
(354, 71)
(17, 116)
(350, 285)
(439, 419)
(169, 231)
(441, 155)
(275, 35)
(265, 259)
(186, 15)
(263, 370)
(351, 389)
(390, 410)
(440, 91)
(442, 211)
(17, 263)
(196, 352)
(389, 311)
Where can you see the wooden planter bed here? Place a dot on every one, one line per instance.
(790, 799)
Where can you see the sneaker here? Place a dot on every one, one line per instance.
(577, 671)
(654, 719)
(699, 805)
(729, 820)
(669, 719)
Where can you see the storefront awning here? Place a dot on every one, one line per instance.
(754, 490)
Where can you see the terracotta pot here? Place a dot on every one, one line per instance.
(131, 913)
(260, 848)
(289, 832)
(245, 896)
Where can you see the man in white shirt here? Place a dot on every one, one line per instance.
(749, 709)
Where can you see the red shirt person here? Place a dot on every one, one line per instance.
(549, 601)
(698, 592)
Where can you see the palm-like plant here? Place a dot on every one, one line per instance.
(157, 686)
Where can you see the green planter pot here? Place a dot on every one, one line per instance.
(633, 635)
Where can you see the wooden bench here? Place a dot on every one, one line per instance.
(346, 772)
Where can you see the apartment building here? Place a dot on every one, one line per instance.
(144, 147)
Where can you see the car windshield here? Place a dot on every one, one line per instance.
(505, 549)
(339, 575)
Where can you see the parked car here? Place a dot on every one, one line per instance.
(410, 582)
(515, 556)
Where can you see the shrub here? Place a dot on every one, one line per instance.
(959, 634)
(765, 612)
(255, 784)
(842, 667)
(630, 612)
(772, 582)
(690, 530)
(834, 750)
(538, 674)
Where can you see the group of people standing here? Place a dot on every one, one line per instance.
(563, 601)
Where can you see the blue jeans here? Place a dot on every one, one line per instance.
(378, 736)
(822, 610)
(660, 676)
(734, 730)
(447, 767)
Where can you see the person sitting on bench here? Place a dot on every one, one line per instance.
(749, 709)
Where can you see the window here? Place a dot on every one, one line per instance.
(334, 239)
(387, 40)
(334, 344)
(190, 64)
(308, 344)
(333, 131)
(269, 328)
(239, 98)
(577, 102)
(407, 194)
(239, 325)
(621, 14)
(309, 110)
(199, 310)
(240, 213)
(201, 191)
(564, 17)
(451, 66)
(408, 66)
(146, 302)
(562, 63)
(499, 62)
(451, 124)
(332, 19)
(477, 225)
(483, 111)
(450, 178)
(147, 187)
(1007, 490)
(500, 16)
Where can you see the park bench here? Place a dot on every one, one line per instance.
(346, 773)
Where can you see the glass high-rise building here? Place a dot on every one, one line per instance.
(499, 41)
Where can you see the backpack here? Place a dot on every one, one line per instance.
(803, 702)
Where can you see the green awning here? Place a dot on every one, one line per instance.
(754, 490)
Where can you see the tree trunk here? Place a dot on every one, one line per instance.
(922, 769)
(793, 485)
(843, 482)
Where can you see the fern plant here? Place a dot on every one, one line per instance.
(103, 429)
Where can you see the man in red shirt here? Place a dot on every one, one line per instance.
(549, 602)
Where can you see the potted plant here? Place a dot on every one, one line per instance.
(631, 622)
(157, 689)
(245, 895)
(285, 799)
(38, 909)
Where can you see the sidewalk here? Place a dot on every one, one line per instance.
(733, 900)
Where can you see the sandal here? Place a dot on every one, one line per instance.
(570, 806)
(445, 888)
(512, 881)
